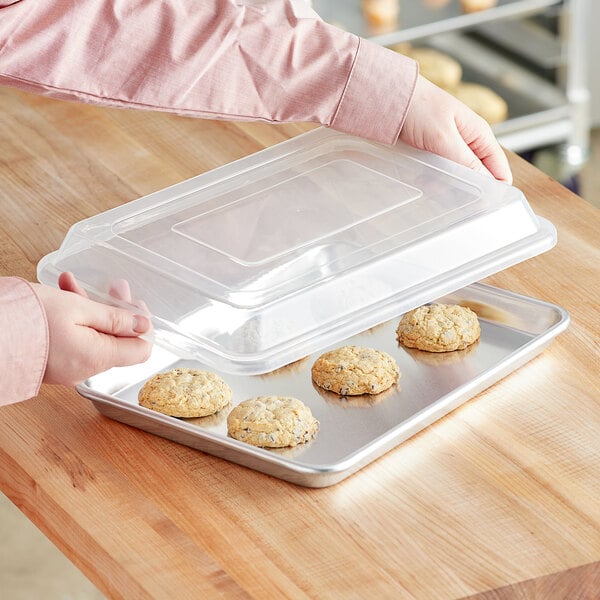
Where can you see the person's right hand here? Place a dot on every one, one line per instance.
(87, 337)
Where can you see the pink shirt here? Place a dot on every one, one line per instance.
(23, 340)
(269, 60)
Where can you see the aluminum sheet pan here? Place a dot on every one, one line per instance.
(355, 430)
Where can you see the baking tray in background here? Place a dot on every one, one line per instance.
(420, 18)
(537, 109)
(354, 431)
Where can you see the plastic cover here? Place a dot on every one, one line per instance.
(257, 263)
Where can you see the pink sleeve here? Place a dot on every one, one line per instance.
(228, 59)
(23, 341)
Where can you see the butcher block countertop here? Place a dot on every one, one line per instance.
(499, 499)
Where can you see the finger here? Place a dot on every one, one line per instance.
(68, 283)
(497, 164)
(483, 143)
(465, 156)
(142, 306)
(454, 147)
(120, 290)
(114, 321)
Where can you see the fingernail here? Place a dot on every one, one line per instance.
(141, 324)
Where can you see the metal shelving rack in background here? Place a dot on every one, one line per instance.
(531, 52)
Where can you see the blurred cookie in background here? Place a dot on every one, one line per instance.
(438, 67)
(470, 6)
(381, 16)
(483, 100)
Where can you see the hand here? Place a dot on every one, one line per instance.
(436, 121)
(87, 337)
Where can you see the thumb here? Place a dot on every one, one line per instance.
(121, 351)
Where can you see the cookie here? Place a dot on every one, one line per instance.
(381, 16)
(441, 359)
(361, 401)
(183, 392)
(439, 68)
(354, 370)
(483, 100)
(402, 48)
(272, 422)
(470, 6)
(439, 328)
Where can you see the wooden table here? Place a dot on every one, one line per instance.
(500, 499)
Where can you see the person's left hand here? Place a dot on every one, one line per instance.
(438, 122)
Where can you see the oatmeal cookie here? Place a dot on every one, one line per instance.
(183, 392)
(381, 15)
(354, 370)
(482, 100)
(470, 6)
(438, 67)
(272, 422)
(439, 328)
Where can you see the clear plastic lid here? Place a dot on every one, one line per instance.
(255, 264)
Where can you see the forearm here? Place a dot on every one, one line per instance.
(211, 58)
(23, 341)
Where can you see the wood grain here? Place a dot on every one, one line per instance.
(497, 500)
(580, 583)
